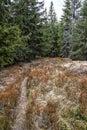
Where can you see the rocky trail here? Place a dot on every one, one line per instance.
(46, 94)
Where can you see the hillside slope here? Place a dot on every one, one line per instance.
(54, 96)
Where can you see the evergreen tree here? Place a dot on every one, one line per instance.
(52, 15)
(20, 15)
(60, 37)
(37, 21)
(80, 35)
(4, 11)
(67, 24)
(53, 31)
(75, 10)
(26, 31)
(69, 19)
(46, 35)
(29, 15)
(11, 43)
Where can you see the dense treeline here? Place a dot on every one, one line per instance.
(28, 31)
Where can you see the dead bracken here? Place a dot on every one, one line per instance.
(46, 94)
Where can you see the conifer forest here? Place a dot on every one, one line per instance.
(43, 65)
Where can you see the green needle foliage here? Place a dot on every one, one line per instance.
(27, 31)
(80, 35)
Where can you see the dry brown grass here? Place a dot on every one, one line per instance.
(57, 96)
(83, 95)
(50, 115)
(9, 96)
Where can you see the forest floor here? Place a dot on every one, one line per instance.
(45, 94)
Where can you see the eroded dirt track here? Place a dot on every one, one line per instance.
(21, 107)
(49, 94)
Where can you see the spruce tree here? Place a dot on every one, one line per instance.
(75, 10)
(60, 37)
(53, 31)
(4, 11)
(67, 24)
(36, 41)
(29, 15)
(80, 35)
(46, 35)
(11, 42)
(69, 19)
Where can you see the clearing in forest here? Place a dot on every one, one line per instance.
(46, 94)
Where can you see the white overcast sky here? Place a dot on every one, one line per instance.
(58, 5)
